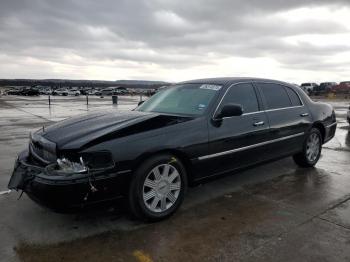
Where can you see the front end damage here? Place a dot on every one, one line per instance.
(66, 166)
(62, 186)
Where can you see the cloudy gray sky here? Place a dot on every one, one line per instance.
(291, 40)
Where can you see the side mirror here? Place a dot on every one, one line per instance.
(140, 103)
(229, 110)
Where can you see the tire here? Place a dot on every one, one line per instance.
(153, 195)
(312, 148)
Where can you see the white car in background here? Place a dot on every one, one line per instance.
(93, 92)
(60, 92)
(308, 87)
(46, 92)
(74, 92)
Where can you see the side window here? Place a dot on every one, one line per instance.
(275, 95)
(243, 94)
(293, 97)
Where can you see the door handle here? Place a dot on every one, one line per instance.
(304, 114)
(260, 123)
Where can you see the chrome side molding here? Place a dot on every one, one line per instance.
(249, 147)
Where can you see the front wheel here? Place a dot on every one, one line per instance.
(158, 187)
(311, 149)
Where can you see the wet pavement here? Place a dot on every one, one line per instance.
(274, 212)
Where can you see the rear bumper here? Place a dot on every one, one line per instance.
(65, 193)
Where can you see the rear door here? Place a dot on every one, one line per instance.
(233, 141)
(289, 118)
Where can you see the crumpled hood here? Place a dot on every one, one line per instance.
(83, 129)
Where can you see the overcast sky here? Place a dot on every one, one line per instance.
(291, 40)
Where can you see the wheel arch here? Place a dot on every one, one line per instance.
(322, 129)
(183, 157)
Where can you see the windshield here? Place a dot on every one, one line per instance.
(187, 99)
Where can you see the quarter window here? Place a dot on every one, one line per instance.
(275, 95)
(244, 95)
(294, 98)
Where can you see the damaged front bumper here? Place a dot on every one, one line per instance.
(62, 193)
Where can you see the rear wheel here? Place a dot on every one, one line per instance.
(158, 187)
(311, 149)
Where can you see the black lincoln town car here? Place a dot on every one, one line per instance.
(180, 136)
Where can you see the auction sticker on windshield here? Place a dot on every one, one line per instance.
(210, 87)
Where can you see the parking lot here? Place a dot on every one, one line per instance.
(274, 212)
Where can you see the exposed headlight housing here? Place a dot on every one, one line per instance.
(98, 160)
(68, 166)
(84, 162)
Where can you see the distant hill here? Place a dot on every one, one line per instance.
(82, 83)
(139, 82)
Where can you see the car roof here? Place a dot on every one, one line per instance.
(230, 80)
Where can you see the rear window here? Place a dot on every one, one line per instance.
(275, 95)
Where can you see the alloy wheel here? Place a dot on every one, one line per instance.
(161, 188)
(313, 147)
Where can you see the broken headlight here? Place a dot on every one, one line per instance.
(98, 160)
(68, 166)
(85, 162)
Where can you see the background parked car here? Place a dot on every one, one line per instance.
(74, 92)
(24, 91)
(308, 87)
(46, 92)
(107, 91)
(121, 92)
(113, 91)
(95, 92)
(343, 87)
(324, 87)
(14, 92)
(86, 91)
(60, 92)
(30, 92)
